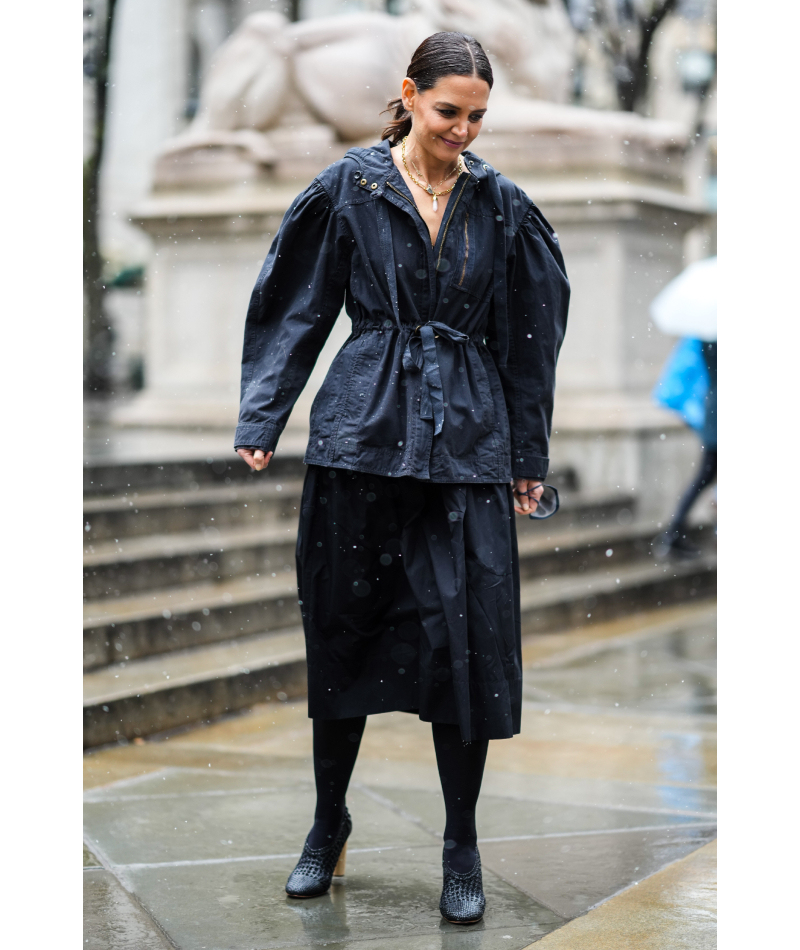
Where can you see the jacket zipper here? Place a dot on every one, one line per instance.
(404, 197)
(455, 205)
(452, 212)
(466, 245)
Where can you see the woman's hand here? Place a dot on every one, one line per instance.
(256, 460)
(527, 492)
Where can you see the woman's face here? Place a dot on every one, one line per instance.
(446, 118)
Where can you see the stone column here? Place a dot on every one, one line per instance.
(148, 75)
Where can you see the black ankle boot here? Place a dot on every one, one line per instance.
(462, 900)
(673, 543)
(317, 867)
(683, 550)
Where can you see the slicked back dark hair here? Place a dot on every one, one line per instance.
(440, 55)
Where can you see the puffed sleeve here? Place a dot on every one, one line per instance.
(294, 305)
(538, 299)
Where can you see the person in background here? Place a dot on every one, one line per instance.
(673, 540)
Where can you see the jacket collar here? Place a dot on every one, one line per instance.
(376, 162)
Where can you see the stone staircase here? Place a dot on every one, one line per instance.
(191, 599)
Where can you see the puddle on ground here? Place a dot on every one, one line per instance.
(669, 673)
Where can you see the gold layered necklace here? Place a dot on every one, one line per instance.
(436, 195)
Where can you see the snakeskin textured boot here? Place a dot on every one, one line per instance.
(462, 899)
(319, 867)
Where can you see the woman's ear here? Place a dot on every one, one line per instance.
(408, 94)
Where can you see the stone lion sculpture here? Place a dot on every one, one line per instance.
(280, 90)
(337, 72)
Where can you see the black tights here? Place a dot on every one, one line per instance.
(461, 764)
(461, 773)
(336, 743)
(704, 477)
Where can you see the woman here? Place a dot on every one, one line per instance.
(441, 395)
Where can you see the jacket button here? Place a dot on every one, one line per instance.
(373, 186)
(363, 181)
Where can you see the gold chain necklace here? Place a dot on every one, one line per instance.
(441, 180)
(426, 187)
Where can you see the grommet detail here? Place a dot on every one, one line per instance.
(363, 181)
(486, 168)
(373, 186)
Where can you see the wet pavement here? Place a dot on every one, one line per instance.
(189, 839)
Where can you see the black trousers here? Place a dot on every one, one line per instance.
(409, 592)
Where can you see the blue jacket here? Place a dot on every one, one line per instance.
(448, 374)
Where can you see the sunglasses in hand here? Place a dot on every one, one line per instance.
(547, 505)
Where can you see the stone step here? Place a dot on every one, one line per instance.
(113, 569)
(560, 602)
(101, 478)
(268, 500)
(579, 549)
(140, 697)
(150, 695)
(265, 500)
(118, 567)
(583, 509)
(157, 619)
(145, 624)
(118, 478)
(154, 622)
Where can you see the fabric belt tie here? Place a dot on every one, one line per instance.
(420, 353)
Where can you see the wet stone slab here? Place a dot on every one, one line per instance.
(502, 817)
(595, 865)
(235, 823)
(176, 782)
(629, 796)
(105, 767)
(533, 785)
(111, 920)
(669, 673)
(390, 899)
(675, 909)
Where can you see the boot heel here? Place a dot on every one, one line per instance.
(338, 871)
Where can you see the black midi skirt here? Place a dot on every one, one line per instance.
(409, 592)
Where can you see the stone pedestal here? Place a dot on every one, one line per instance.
(208, 247)
(622, 243)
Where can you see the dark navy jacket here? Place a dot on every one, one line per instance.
(449, 371)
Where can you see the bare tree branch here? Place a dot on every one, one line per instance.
(626, 35)
(640, 67)
(98, 342)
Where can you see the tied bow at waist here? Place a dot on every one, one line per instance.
(420, 353)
